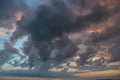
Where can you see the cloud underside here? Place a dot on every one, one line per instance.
(62, 29)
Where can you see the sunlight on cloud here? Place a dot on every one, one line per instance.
(18, 15)
(114, 63)
(2, 32)
(99, 73)
(9, 67)
(56, 69)
(9, 26)
(74, 37)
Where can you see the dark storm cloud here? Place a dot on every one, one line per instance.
(8, 9)
(51, 22)
(99, 14)
(114, 51)
(63, 48)
(91, 50)
(109, 33)
(57, 50)
(56, 20)
(17, 34)
(11, 10)
(115, 54)
(31, 52)
(79, 4)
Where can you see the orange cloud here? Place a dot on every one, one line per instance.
(2, 32)
(110, 4)
(99, 73)
(18, 15)
(103, 52)
(101, 27)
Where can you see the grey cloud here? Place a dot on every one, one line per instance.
(7, 52)
(53, 21)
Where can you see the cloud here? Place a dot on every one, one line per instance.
(57, 19)
(50, 24)
(9, 10)
(114, 52)
(11, 13)
(100, 73)
(7, 52)
(109, 33)
(9, 67)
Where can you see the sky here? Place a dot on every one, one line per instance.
(71, 36)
